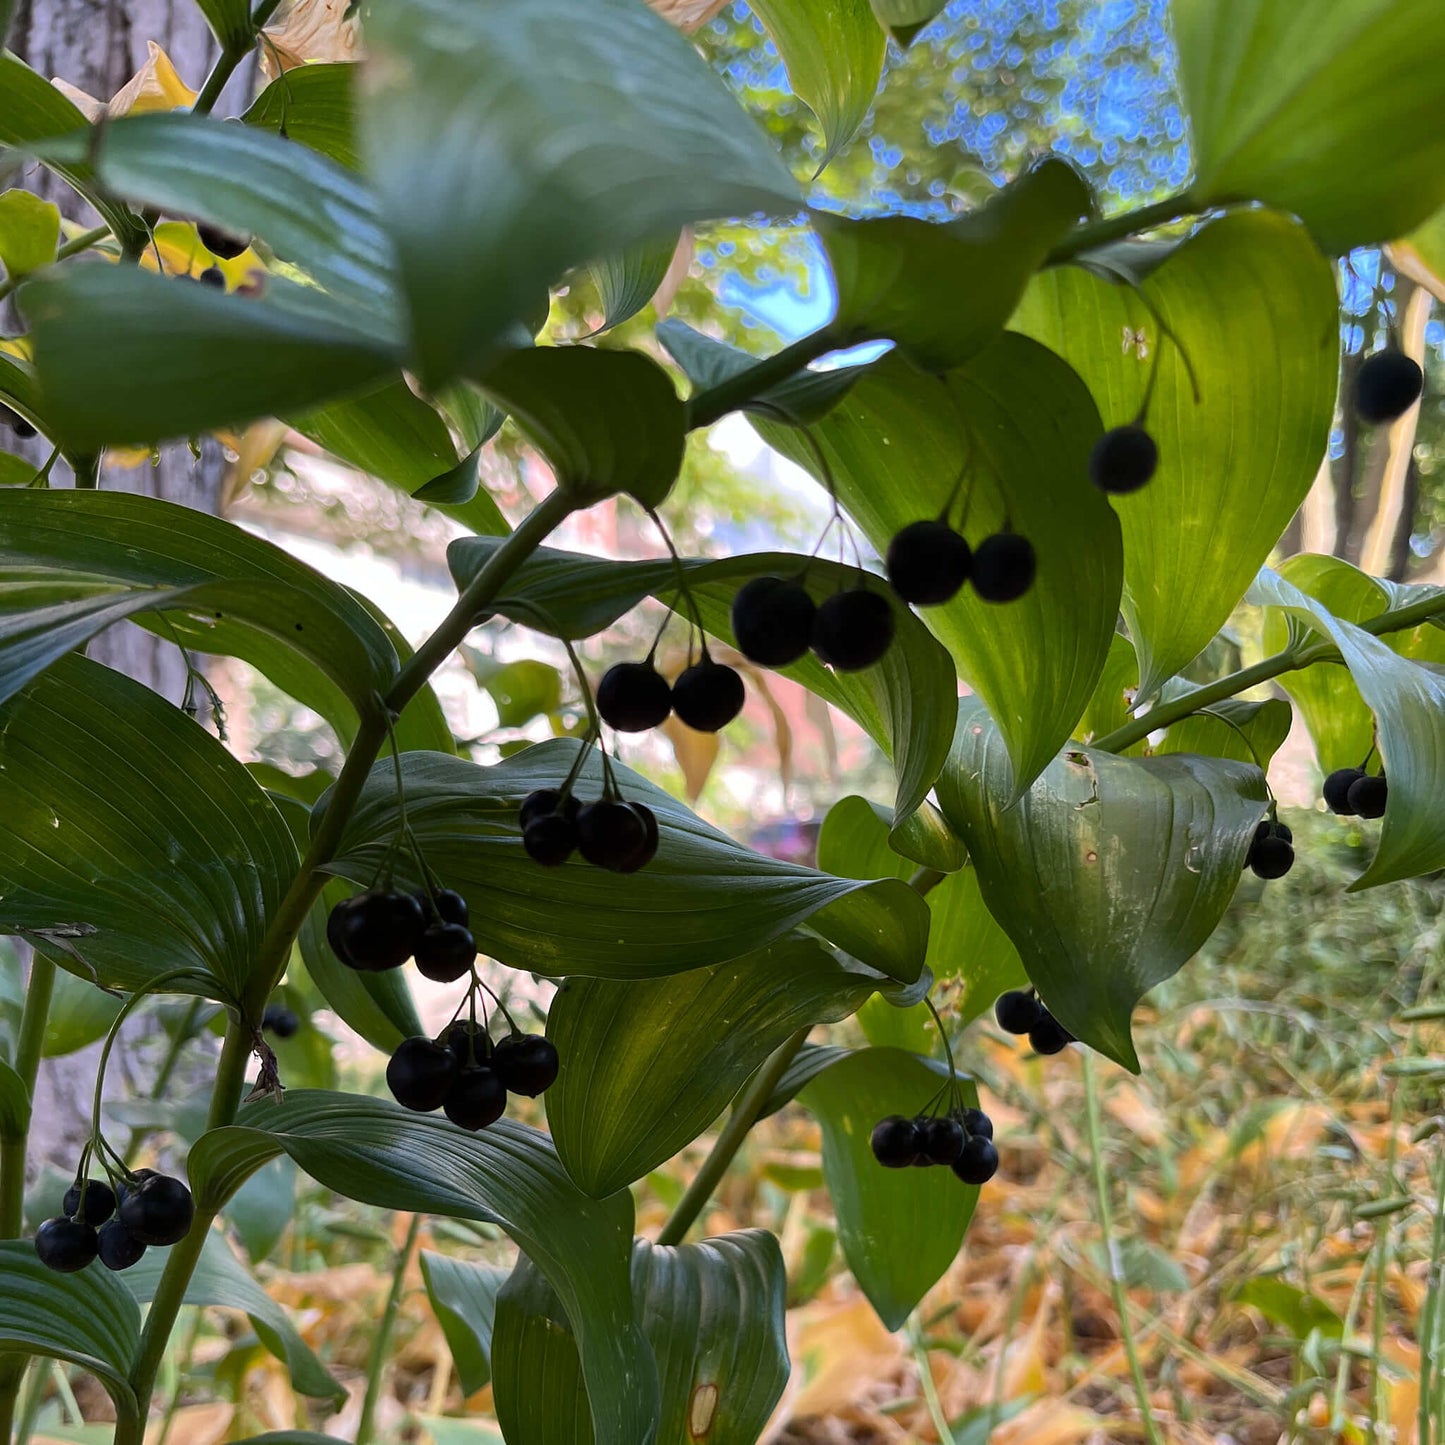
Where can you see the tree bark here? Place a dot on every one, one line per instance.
(97, 45)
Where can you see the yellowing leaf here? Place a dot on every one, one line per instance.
(155, 86)
(312, 30)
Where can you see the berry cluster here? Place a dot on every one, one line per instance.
(1271, 850)
(1388, 384)
(1355, 793)
(15, 422)
(634, 696)
(468, 1077)
(775, 621)
(609, 833)
(1022, 1011)
(928, 563)
(114, 1224)
(961, 1139)
(382, 928)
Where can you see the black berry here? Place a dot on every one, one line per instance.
(15, 422)
(446, 952)
(1123, 460)
(941, 1140)
(895, 1142)
(1272, 828)
(281, 1021)
(928, 562)
(541, 804)
(1003, 567)
(118, 1249)
(65, 1245)
(853, 629)
(609, 833)
(444, 904)
(468, 1041)
(420, 1074)
(1337, 790)
(97, 1207)
(213, 276)
(478, 1098)
(1388, 385)
(526, 1063)
(158, 1211)
(221, 243)
(382, 930)
(772, 620)
(1017, 1012)
(978, 1162)
(646, 851)
(633, 696)
(1367, 796)
(336, 932)
(1049, 1036)
(975, 1121)
(1270, 857)
(708, 695)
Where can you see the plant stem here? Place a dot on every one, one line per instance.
(706, 407)
(1292, 659)
(1122, 226)
(1106, 1228)
(930, 1390)
(377, 1369)
(746, 1108)
(1430, 1315)
(29, 1046)
(230, 58)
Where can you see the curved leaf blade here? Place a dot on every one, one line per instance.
(627, 280)
(315, 106)
(464, 1299)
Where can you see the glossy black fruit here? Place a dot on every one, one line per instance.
(1367, 796)
(1049, 1036)
(978, 1162)
(336, 931)
(1270, 857)
(853, 629)
(541, 804)
(421, 1073)
(99, 1203)
(1388, 385)
(221, 243)
(526, 1063)
(940, 1139)
(928, 562)
(633, 696)
(478, 1098)
(117, 1247)
(895, 1142)
(381, 930)
(1272, 828)
(772, 620)
(1123, 460)
(469, 1041)
(1003, 567)
(159, 1211)
(975, 1121)
(446, 952)
(16, 423)
(1337, 790)
(125, 1187)
(213, 276)
(281, 1021)
(550, 841)
(446, 905)
(708, 695)
(1017, 1012)
(609, 833)
(647, 850)
(65, 1245)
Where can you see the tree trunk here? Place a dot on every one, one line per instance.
(97, 45)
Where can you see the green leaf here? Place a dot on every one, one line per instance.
(1016, 425)
(14, 1105)
(713, 1314)
(802, 398)
(308, 210)
(179, 358)
(29, 232)
(1300, 1312)
(122, 811)
(504, 153)
(1112, 703)
(1297, 106)
(220, 1279)
(88, 1319)
(388, 432)
(1408, 701)
(260, 1211)
(80, 1015)
(834, 53)
(1108, 874)
(903, 19)
(900, 1229)
(628, 279)
(964, 941)
(377, 1153)
(16, 471)
(521, 690)
(704, 899)
(808, 1063)
(456, 486)
(905, 704)
(378, 1006)
(897, 278)
(79, 560)
(649, 1064)
(230, 22)
(315, 106)
(1251, 732)
(1252, 304)
(606, 421)
(464, 1299)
